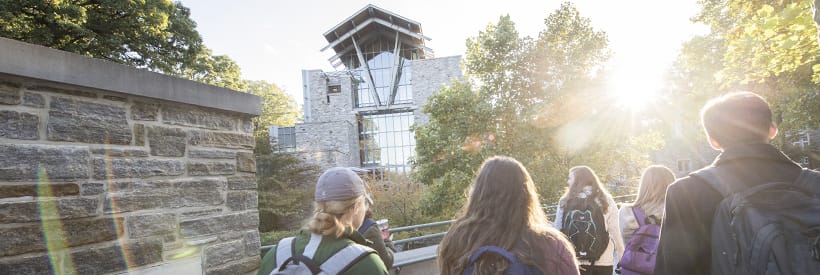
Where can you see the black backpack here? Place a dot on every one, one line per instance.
(585, 227)
(772, 228)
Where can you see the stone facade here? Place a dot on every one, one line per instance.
(330, 134)
(103, 182)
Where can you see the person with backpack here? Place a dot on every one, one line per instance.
(502, 228)
(377, 236)
(588, 216)
(752, 211)
(331, 244)
(640, 222)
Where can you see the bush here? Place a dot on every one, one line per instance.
(286, 186)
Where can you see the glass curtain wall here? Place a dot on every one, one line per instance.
(380, 59)
(386, 141)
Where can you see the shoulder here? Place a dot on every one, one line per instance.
(370, 264)
(687, 185)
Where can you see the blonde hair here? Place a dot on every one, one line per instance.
(652, 191)
(333, 218)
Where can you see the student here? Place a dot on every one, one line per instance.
(651, 196)
(586, 197)
(339, 208)
(503, 210)
(740, 126)
(372, 231)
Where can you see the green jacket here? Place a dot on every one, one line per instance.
(371, 264)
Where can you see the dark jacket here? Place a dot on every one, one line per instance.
(383, 247)
(685, 242)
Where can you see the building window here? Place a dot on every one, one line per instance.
(334, 89)
(684, 165)
(283, 139)
(381, 69)
(385, 141)
(802, 140)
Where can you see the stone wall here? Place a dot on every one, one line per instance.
(101, 181)
(429, 76)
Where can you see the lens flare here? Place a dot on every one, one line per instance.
(56, 244)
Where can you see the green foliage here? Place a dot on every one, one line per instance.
(273, 237)
(286, 186)
(157, 35)
(278, 109)
(537, 100)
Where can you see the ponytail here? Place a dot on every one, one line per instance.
(333, 218)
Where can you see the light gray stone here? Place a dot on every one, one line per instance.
(151, 225)
(211, 154)
(18, 125)
(145, 111)
(115, 98)
(120, 152)
(241, 182)
(223, 253)
(47, 209)
(38, 190)
(247, 125)
(36, 264)
(92, 188)
(20, 162)
(166, 142)
(144, 195)
(32, 237)
(88, 122)
(242, 200)
(34, 100)
(219, 224)
(136, 168)
(244, 266)
(245, 162)
(222, 140)
(200, 213)
(118, 258)
(252, 243)
(210, 168)
(199, 117)
(71, 92)
(139, 135)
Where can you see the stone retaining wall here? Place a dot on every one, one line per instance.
(99, 181)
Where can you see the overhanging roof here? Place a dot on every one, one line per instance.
(372, 20)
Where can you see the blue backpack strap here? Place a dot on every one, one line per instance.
(639, 215)
(365, 225)
(492, 249)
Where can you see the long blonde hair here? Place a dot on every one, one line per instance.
(333, 218)
(652, 190)
(584, 176)
(502, 210)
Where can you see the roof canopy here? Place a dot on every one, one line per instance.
(369, 24)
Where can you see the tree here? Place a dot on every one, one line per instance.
(157, 35)
(278, 109)
(540, 101)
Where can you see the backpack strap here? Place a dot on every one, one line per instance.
(284, 250)
(298, 258)
(365, 225)
(491, 249)
(343, 259)
(724, 183)
(639, 215)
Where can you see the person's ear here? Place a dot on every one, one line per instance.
(715, 145)
(772, 132)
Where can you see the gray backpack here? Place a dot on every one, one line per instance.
(303, 264)
(772, 228)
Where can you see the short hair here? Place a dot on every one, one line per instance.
(737, 118)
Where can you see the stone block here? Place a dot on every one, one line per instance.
(135, 196)
(32, 237)
(33, 264)
(219, 224)
(61, 208)
(120, 152)
(34, 100)
(145, 111)
(241, 182)
(246, 162)
(9, 93)
(82, 121)
(221, 140)
(117, 258)
(247, 125)
(252, 243)
(31, 189)
(244, 266)
(92, 188)
(242, 200)
(199, 117)
(211, 154)
(139, 135)
(166, 142)
(210, 168)
(105, 168)
(151, 225)
(22, 162)
(200, 213)
(70, 92)
(223, 253)
(115, 98)
(18, 125)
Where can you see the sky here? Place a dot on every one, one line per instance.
(273, 40)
